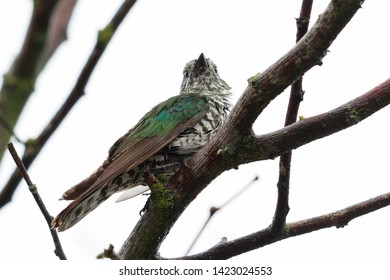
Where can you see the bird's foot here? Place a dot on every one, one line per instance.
(145, 208)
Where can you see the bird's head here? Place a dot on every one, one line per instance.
(201, 75)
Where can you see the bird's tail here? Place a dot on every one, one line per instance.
(81, 207)
(90, 193)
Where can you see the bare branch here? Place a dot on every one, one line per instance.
(265, 237)
(307, 130)
(20, 79)
(296, 96)
(307, 53)
(34, 191)
(57, 32)
(214, 210)
(35, 147)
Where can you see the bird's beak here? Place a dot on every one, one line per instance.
(201, 62)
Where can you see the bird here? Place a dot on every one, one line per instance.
(160, 144)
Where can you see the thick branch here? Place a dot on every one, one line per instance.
(307, 53)
(33, 150)
(298, 134)
(265, 237)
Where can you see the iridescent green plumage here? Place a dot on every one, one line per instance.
(169, 114)
(160, 143)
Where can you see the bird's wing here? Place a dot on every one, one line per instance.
(156, 130)
(76, 190)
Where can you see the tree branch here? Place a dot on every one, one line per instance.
(34, 147)
(296, 96)
(307, 53)
(265, 237)
(19, 81)
(57, 32)
(305, 131)
(34, 191)
(214, 210)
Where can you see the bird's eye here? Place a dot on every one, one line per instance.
(185, 73)
(215, 69)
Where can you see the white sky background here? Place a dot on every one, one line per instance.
(143, 66)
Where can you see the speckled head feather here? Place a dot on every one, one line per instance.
(201, 75)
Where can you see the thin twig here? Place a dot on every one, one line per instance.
(36, 146)
(214, 210)
(34, 191)
(296, 96)
(8, 127)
